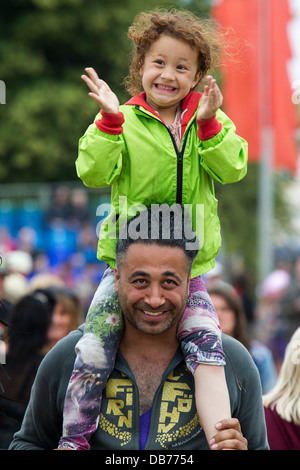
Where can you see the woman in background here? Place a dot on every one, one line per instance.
(282, 403)
(233, 322)
(29, 321)
(67, 315)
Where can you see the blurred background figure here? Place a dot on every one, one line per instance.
(282, 403)
(59, 208)
(269, 328)
(45, 280)
(290, 303)
(25, 338)
(27, 240)
(242, 283)
(215, 274)
(67, 316)
(5, 307)
(16, 268)
(7, 242)
(233, 322)
(79, 216)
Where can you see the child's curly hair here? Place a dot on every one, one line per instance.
(201, 34)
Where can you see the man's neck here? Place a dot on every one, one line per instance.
(151, 345)
(148, 357)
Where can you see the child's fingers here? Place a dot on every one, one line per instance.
(96, 98)
(212, 82)
(95, 87)
(90, 83)
(98, 82)
(93, 74)
(213, 87)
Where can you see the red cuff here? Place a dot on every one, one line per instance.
(208, 128)
(111, 123)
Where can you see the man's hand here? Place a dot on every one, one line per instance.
(211, 100)
(63, 448)
(229, 436)
(101, 92)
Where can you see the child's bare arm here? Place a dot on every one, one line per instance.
(101, 92)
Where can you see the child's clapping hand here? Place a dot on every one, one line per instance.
(101, 92)
(211, 100)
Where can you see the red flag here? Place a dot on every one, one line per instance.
(283, 111)
(241, 84)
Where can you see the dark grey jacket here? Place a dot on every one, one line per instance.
(174, 422)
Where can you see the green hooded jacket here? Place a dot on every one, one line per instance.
(144, 167)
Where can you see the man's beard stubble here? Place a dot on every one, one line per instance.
(128, 313)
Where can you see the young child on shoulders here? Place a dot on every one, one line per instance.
(166, 145)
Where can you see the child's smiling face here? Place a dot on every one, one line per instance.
(169, 73)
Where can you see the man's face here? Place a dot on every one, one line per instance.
(153, 287)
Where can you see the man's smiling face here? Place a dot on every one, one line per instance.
(153, 286)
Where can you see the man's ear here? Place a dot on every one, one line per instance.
(117, 279)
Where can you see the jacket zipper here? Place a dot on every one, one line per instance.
(179, 154)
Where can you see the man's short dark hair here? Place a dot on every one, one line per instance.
(162, 225)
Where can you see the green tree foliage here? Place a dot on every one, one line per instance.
(44, 47)
(238, 211)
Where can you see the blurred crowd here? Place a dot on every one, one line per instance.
(271, 310)
(56, 246)
(268, 325)
(49, 273)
